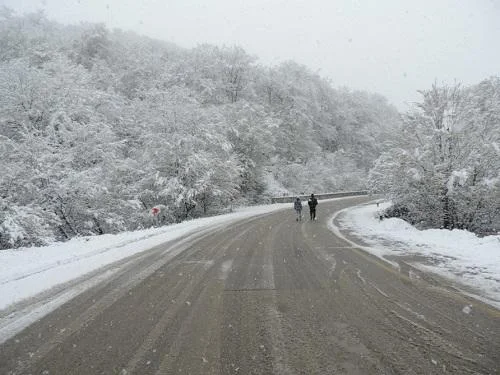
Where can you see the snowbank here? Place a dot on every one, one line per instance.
(456, 254)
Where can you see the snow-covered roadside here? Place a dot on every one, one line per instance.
(26, 272)
(455, 254)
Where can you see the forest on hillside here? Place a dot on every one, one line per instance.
(99, 126)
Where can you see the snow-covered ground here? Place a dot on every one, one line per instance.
(455, 254)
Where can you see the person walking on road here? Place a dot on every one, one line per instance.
(312, 203)
(297, 205)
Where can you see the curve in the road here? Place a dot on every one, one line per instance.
(263, 296)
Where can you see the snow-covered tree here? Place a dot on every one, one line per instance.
(97, 127)
(445, 171)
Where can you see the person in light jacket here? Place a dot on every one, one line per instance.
(297, 206)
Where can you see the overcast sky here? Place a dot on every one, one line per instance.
(393, 47)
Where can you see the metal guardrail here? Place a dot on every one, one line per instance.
(290, 199)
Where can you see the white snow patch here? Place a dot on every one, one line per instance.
(225, 269)
(19, 320)
(358, 273)
(456, 254)
(378, 251)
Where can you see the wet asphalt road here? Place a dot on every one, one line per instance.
(267, 295)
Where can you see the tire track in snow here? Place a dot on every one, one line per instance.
(165, 320)
(107, 300)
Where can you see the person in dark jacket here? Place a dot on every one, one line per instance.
(312, 203)
(297, 205)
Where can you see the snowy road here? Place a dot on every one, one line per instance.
(266, 295)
